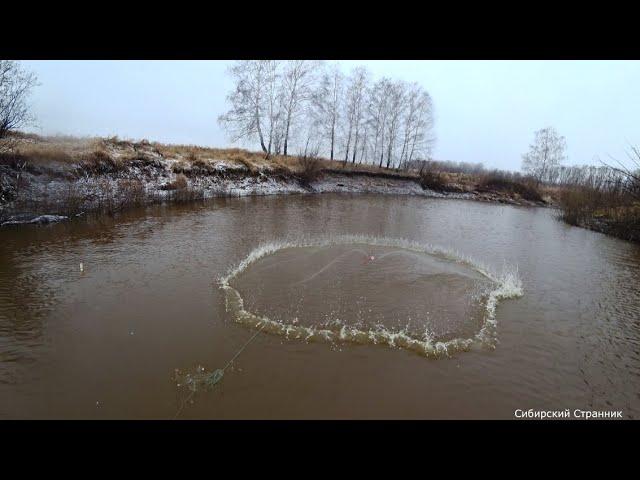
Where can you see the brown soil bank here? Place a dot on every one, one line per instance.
(47, 179)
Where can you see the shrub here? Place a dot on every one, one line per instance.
(72, 200)
(310, 169)
(524, 187)
(572, 206)
(432, 180)
(611, 210)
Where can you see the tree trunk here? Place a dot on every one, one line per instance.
(333, 135)
(286, 136)
(346, 155)
(355, 147)
(264, 148)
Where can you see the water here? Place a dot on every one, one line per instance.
(160, 286)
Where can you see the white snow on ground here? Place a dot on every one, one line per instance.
(63, 188)
(366, 184)
(96, 191)
(223, 166)
(39, 220)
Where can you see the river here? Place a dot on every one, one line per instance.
(353, 306)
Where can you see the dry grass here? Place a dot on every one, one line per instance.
(179, 183)
(180, 190)
(523, 187)
(95, 156)
(99, 162)
(117, 164)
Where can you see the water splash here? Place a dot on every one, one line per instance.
(507, 285)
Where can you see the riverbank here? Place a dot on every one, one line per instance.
(624, 228)
(47, 179)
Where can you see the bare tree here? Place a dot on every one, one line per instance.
(16, 84)
(277, 103)
(356, 107)
(417, 137)
(377, 110)
(545, 153)
(297, 81)
(396, 105)
(422, 138)
(326, 103)
(273, 103)
(244, 119)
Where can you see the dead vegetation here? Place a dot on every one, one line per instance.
(433, 180)
(179, 183)
(99, 162)
(112, 156)
(606, 198)
(310, 169)
(524, 187)
(110, 174)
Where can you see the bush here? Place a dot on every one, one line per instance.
(524, 187)
(572, 206)
(612, 211)
(432, 180)
(310, 169)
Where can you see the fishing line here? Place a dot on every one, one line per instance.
(214, 377)
(329, 264)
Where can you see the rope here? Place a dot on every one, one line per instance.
(331, 263)
(243, 347)
(185, 401)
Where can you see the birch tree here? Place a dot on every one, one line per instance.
(326, 105)
(377, 111)
(276, 103)
(244, 119)
(356, 92)
(421, 137)
(545, 153)
(396, 107)
(410, 120)
(273, 102)
(297, 84)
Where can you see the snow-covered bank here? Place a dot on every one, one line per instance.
(49, 200)
(51, 183)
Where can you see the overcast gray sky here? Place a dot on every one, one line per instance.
(485, 111)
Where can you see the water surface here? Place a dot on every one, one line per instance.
(105, 342)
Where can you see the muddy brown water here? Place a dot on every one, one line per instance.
(105, 342)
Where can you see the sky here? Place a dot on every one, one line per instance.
(485, 111)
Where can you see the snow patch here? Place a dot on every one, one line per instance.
(42, 219)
